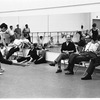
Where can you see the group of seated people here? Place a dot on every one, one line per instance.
(36, 52)
(69, 51)
(90, 53)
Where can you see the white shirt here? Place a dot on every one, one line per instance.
(92, 46)
(17, 42)
(25, 40)
(11, 32)
(76, 37)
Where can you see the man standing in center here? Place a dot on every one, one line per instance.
(17, 32)
(66, 48)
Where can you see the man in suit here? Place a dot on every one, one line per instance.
(67, 48)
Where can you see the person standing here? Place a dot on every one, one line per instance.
(17, 32)
(3, 28)
(26, 31)
(11, 32)
(94, 32)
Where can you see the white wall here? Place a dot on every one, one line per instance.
(69, 22)
(10, 20)
(63, 14)
(45, 23)
(36, 23)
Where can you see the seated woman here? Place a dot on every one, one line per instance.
(41, 55)
(51, 43)
(40, 40)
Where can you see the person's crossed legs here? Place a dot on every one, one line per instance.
(62, 56)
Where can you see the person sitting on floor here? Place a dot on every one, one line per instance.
(41, 55)
(17, 45)
(67, 48)
(40, 40)
(32, 55)
(36, 55)
(76, 58)
(51, 43)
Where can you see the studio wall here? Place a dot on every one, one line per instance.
(47, 23)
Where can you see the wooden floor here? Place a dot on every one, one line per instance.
(41, 81)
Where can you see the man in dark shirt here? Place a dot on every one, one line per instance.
(17, 32)
(67, 48)
(32, 55)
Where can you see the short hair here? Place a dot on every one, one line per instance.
(81, 26)
(26, 25)
(41, 37)
(35, 44)
(94, 25)
(11, 26)
(3, 25)
(17, 25)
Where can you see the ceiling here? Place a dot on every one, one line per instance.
(22, 5)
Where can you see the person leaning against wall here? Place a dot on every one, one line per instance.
(67, 48)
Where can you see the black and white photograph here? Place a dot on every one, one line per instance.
(49, 49)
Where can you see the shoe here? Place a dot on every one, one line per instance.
(59, 71)
(69, 73)
(52, 64)
(30, 60)
(87, 77)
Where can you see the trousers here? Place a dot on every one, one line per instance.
(93, 63)
(75, 59)
(62, 56)
(2, 60)
(11, 51)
